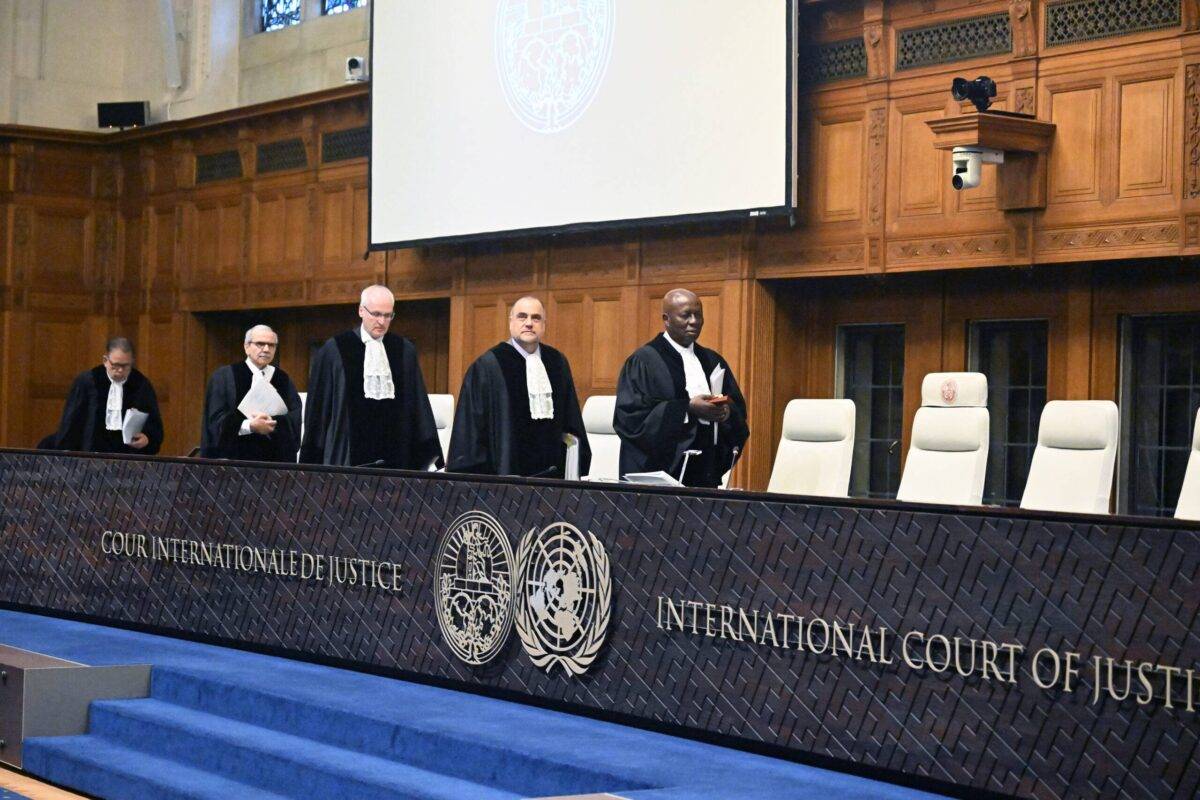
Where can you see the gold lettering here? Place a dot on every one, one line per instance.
(904, 649)
(825, 640)
(937, 637)
(769, 631)
(842, 635)
(747, 626)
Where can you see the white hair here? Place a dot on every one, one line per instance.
(250, 333)
(375, 287)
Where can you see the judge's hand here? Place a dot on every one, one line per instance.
(139, 441)
(261, 423)
(702, 406)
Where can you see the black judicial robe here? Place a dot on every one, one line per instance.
(82, 425)
(219, 437)
(344, 428)
(493, 433)
(652, 403)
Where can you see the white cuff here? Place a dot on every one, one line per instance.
(245, 429)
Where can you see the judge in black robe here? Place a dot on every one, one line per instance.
(227, 432)
(83, 427)
(494, 430)
(658, 419)
(345, 427)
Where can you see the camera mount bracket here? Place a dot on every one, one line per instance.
(1025, 142)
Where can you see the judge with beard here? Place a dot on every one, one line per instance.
(666, 407)
(234, 430)
(95, 409)
(367, 404)
(517, 402)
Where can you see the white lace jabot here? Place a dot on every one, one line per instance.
(377, 372)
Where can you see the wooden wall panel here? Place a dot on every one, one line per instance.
(839, 170)
(1146, 124)
(60, 240)
(1075, 156)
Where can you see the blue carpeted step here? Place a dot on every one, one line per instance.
(290, 765)
(504, 759)
(106, 769)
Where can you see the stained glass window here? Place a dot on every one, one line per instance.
(278, 14)
(338, 6)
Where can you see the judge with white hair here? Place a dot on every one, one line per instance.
(367, 404)
(251, 408)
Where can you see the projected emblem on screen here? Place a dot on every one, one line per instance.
(551, 57)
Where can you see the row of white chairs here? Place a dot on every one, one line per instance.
(1072, 467)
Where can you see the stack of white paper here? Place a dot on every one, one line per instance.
(262, 399)
(134, 422)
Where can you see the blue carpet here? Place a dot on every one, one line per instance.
(7, 794)
(223, 723)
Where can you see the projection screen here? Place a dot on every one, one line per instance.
(500, 117)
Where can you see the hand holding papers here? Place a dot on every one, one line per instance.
(131, 428)
(262, 399)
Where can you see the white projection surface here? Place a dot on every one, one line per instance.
(492, 116)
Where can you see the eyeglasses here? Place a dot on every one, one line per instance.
(380, 315)
(118, 365)
(264, 345)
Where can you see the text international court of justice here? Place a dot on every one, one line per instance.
(599, 399)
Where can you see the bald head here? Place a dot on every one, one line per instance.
(377, 309)
(527, 323)
(683, 316)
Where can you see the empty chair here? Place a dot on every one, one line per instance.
(816, 449)
(947, 460)
(1188, 506)
(1072, 467)
(602, 438)
(443, 418)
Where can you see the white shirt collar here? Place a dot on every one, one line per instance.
(537, 351)
(677, 345)
(267, 372)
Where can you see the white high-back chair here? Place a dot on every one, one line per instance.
(1188, 506)
(1072, 468)
(947, 460)
(816, 449)
(602, 438)
(443, 418)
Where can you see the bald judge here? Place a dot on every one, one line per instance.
(367, 404)
(517, 402)
(667, 406)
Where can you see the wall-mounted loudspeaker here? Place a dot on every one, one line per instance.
(123, 115)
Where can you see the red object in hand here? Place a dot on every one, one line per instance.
(719, 399)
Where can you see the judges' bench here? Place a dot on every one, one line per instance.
(1031, 654)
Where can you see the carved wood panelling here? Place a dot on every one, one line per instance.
(63, 247)
(1192, 131)
(921, 170)
(1075, 155)
(1147, 124)
(839, 170)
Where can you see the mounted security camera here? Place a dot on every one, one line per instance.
(979, 91)
(968, 164)
(356, 69)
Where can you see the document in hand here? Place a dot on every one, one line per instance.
(656, 478)
(716, 385)
(262, 399)
(571, 468)
(716, 380)
(134, 422)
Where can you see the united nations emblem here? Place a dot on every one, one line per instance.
(474, 587)
(564, 597)
(552, 57)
